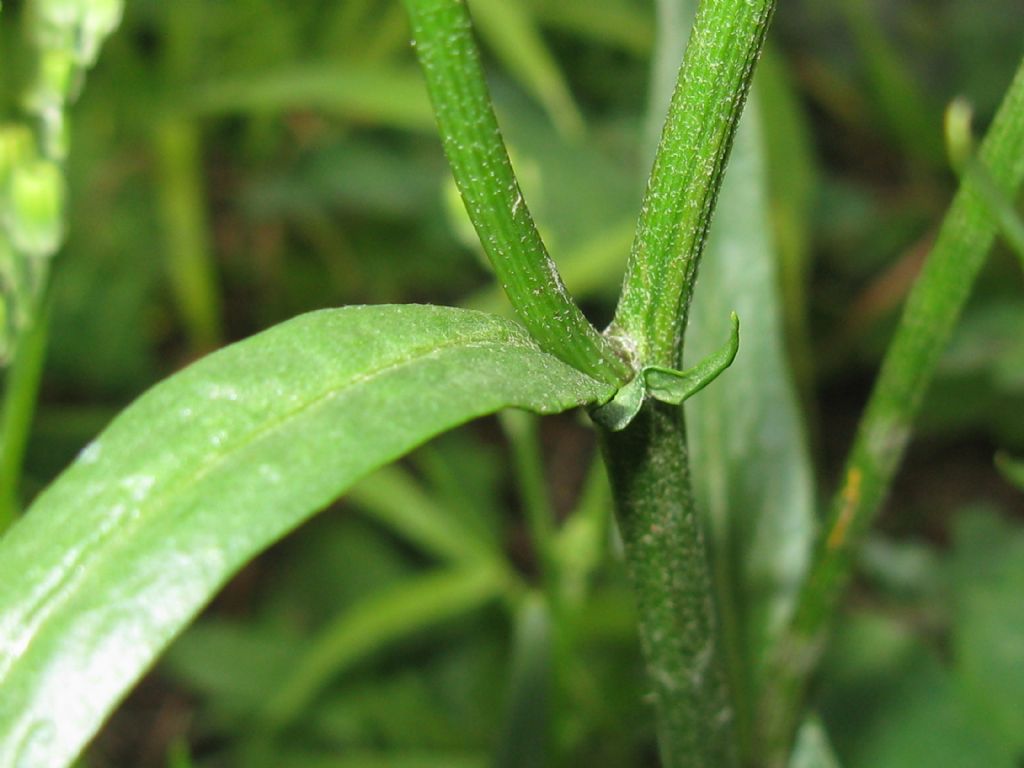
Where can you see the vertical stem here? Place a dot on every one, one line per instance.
(668, 567)
(718, 66)
(19, 402)
(928, 319)
(483, 173)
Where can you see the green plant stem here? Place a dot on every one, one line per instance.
(668, 567)
(931, 312)
(719, 63)
(472, 141)
(21, 388)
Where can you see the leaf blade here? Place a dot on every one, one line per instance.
(204, 471)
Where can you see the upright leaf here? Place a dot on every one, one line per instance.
(752, 473)
(210, 467)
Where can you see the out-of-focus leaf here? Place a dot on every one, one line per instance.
(450, 697)
(369, 177)
(510, 30)
(981, 375)
(229, 664)
(394, 97)
(812, 748)
(619, 23)
(791, 178)
(902, 569)
(904, 109)
(465, 477)
(919, 719)
(373, 624)
(888, 702)
(388, 759)
(1012, 469)
(209, 468)
(752, 472)
(988, 625)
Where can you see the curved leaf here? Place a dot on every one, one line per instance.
(210, 467)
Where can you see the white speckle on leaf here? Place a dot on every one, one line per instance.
(138, 486)
(90, 454)
(270, 473)
(218, 437)
(221, 392)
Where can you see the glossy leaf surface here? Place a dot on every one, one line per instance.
(209, 468)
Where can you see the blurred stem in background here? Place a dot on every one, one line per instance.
(931, 312)
(178, 150)
(66, 39)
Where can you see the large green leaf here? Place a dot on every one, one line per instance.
(210, 467)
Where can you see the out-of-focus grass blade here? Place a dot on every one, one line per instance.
(751, 468)
(378, 95)
(510, 31)
(527, 726)
(379, 621)
(393, 498)
(611, 22)
(792, 179)
(907, 114)
(182, 196)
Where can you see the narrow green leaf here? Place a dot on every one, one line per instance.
(491, 193)
(210, 467)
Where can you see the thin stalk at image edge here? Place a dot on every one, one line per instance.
(933, 307)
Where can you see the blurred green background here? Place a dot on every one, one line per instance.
(237, 162)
